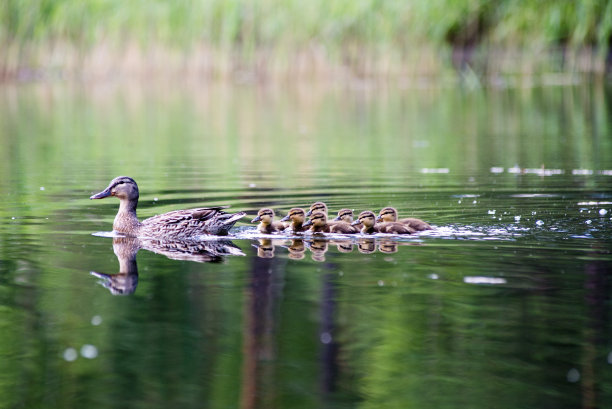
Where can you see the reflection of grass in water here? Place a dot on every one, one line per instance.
(220, 36)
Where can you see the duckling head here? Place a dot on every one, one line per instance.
(317, 219)
(344, 215)
(388, 214)
(265, 216)
(296, 215)
(317, 207)
(366, 218)
(122, 187)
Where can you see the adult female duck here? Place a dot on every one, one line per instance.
(179, 224)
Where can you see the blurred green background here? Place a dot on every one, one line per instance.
(258, 39)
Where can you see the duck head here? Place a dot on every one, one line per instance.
(122, 187)
(296, 215)
(317, 219)
(344, 215)
(388, 214)
(317, 207)
(366, 218)
(266, 216)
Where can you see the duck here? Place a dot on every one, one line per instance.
(267, 224)
(368, 221)
(320, 207)
(178, 224)
(394, 228)
(318, 222)
(296, 216)
(389, 214)
(344, 220)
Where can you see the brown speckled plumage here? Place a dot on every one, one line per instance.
(389, 214)
(179, 224)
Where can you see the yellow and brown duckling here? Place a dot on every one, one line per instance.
(267, 225)
(297, 217)
(345, 220)
(318, 223)
(368, 222)
(389, 215)
(179, 224)
(317, 207)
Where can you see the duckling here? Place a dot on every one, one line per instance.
(297, 217)
(318, 223)
(368, 221)
(389, 214)
(344, 220)
(394, 228)
(179, 224)
(267, 224)
(317, 207)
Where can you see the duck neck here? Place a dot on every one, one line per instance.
(126, 220)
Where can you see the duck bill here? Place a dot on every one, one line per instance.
(337, 219)
(379, 219)
(285, 219)
(308, 213)
(355, 223)
(308, 223)
(105, 193)
(256, 219)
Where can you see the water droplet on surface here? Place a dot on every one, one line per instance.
(42, 188)
(433, 276)
(491, 212)
(381, 283)
(96, 320)
(517, 218)
(252, 185)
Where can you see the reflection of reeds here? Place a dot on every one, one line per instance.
(254, 40)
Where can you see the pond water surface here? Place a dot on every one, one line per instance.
(505, 304)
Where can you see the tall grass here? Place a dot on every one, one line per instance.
(367, 36)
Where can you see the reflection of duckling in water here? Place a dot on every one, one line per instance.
(265, 248)
(366, 246)
(389, 214)
(344, 246)
(267, 224)
(346, 216)
(387, 246)
(318, 248)
(318, 223)
(297, 249)
(297, 217)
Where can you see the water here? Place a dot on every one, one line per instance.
(505, 304)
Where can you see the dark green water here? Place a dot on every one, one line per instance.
(506, 304)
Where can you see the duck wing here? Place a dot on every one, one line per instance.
(183, 223)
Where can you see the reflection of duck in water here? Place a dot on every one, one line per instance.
(296, 249)
(389, 215)
(267, 225)
(265, 248)
(318, 248)
(126, 248)
(366, 245)
(179, 224)
(344, 246)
